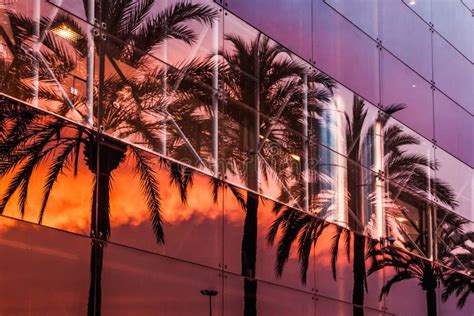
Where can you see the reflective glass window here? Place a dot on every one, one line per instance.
(43, 59)
(160, 206)
(421, 7)
(401, 85)
(254, 240)
(273, 18)
(407, 290)
(136, 282)
(452, 73)
(44, 156)
(268, 299)
(454, 128)
(405, 35)
(36, 256)
(339, 49)
(364, 14)
(458, 34)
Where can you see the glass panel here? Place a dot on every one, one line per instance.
(338, 48)
(44, 156)
(469, 4)
(152, 105)
(421, 7)
(458, 177)
(454, 240)
(327, 306)
(140, 283)
(364, 14)
(77, 8)
(349, 126)
(365, 200)
(239, 121)
(375, 276)
(452, 73)
(351, 121)
(454, 303)
(401, 85)
(454, 128)
(348, 267)
(409, 160)
(48, 69)
(270, 299)
(337, 281)
(273, 19)
(277, 300)
(163, 207)
(292, 89)
(174, 31)
(444, 12)
(408, 218)
(181, 32)
(45, 271)
(415, 50)
(276, 257)
(409, 290)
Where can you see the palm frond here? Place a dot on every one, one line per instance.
(150, 187)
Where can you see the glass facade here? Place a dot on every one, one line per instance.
(227, 157)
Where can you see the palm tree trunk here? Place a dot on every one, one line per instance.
(359, 275)
(100, 228)
(102, 160)
(249, 238)
(431, 301)
(249, 255)
(95, 294)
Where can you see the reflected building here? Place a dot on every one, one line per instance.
(225, 157)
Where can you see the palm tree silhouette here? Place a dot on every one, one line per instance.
(459, 284)
(452, 268)
(457, 253)
(17, 38)
(408, 267)
(400, 165)
(256, 76)
(30, 137)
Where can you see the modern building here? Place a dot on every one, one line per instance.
(271, 157)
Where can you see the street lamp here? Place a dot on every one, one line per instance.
(210, 294)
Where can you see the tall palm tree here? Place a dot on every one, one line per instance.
(400, 165)
(408, 267)
(31, 138)
(453, 251)
(261, 77)
(256, 76)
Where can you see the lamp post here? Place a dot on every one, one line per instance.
(210, 294)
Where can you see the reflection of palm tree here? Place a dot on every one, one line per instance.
(31, 138)
(453, 251)
(459, 284)
(256, 77)
(18, 64)
(403, 167)
(456, 252)
(261, 76)
(409, 267)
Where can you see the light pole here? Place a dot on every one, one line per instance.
(210, 294)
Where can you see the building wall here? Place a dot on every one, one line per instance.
(99, 228)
